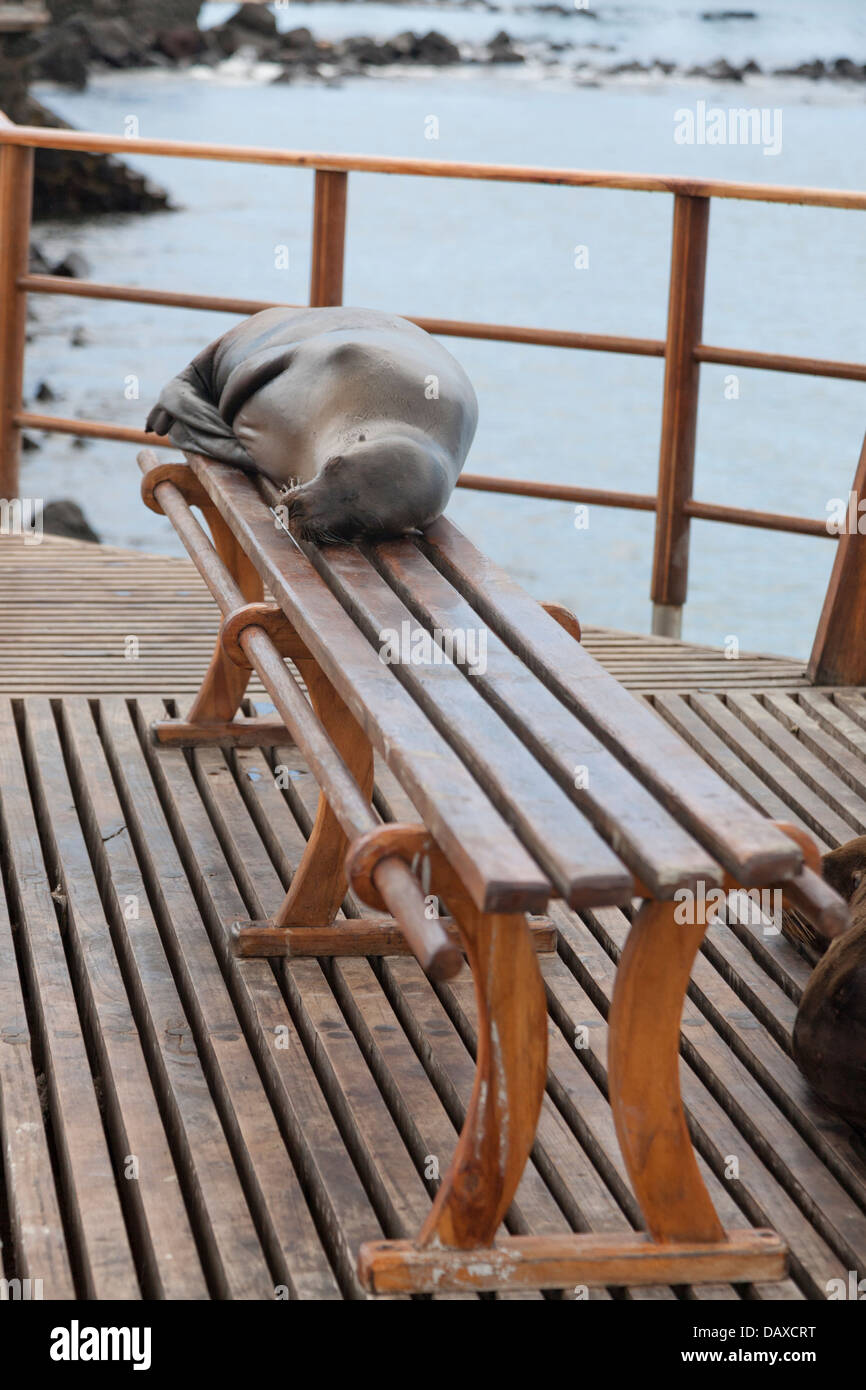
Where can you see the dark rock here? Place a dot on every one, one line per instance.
(719, 71)
(29, 445)
(712, 15)
(256, 19)
(619, 69)
(434, 48)
(296, 38)
(78, 337)
(366, 50)
(813, 70)
(65, 518)
(44, 392)
(111, 41)
(226, 38)
(404, 45)
(751, 68)
(843, 67)
(63, 59)
(501, 50)
(73, 266)
(182, 44)
(76, 184)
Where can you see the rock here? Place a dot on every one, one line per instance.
(813, 70)
(404, 44)
(75, 184)
(712, 15)
(73, 266)
(63, 59)
(65, 518)
(723, 71)
(501, 50)
(111, 41)
(623, 68)
(29, 445)
(296, 38)
(181, 44)
(719, 71)
(44, 392)
(843, 67)
(78, 337)
(366, 50)
(256, 19)
(751, 68)
(434, 48)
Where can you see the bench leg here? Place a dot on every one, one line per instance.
(685, 1243)
(643, 1076)
(511, 1070)
(319, 883)
(225, 684)
(211, 716)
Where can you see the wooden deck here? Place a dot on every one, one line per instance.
(69, 609)
(178, 1124)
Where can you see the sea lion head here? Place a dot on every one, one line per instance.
(384, 485)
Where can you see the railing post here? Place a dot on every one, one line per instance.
(329, 237)
(839, 651)
(679, 412)
(16, 197)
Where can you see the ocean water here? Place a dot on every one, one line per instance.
(780, 278)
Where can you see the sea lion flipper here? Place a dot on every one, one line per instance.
(159, 421)
(251, 375)
(193, 422)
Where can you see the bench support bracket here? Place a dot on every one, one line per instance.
(361, 936)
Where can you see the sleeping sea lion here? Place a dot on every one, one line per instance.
(830, 1028)
(364, 416)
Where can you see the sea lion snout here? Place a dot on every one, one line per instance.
(381, 486)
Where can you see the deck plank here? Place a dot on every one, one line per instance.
(99, 1250)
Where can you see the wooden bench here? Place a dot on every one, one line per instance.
(534, 775)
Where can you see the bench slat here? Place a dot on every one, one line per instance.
(752, 849)
(584, 868)
(655, 847)
(498, 872)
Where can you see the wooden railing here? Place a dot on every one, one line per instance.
(682, 348)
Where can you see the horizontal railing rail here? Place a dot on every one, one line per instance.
(684, 352)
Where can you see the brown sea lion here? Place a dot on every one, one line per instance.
(830, 1028)
(364, 416)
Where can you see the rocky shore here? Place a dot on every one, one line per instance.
(85, 42)
(91, 36)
